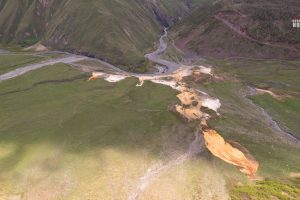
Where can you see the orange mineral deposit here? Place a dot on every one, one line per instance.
(92, 78)
(233, 155)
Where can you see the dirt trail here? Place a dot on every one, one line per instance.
(20, 71)
(154, 172)
(196, 147)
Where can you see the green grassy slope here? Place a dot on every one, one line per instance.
(242, 122)
(118, 31)
(280, 77)
(285, 111)
(61, 135)
(265, 190)
(65, 138)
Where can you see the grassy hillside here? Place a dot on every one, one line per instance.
(118, 31)
(65, 138)
(241, 121)
(93, 134)
(279, 77)
(261, 29)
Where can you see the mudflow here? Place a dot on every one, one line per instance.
(191, 101)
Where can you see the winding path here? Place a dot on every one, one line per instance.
(20, 71)
(196, 147)
(246, 36)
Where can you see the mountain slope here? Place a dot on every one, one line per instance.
(114, 30)
(260, 29)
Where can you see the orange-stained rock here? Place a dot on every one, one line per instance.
(92, 78)
(188, 97)
(191, 113)
(95, 75)
(236, 155)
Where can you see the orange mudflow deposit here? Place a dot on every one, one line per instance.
(191, 105)
(225, 151)
(235, 154)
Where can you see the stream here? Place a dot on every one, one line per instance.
(155, 56)
(284, 135)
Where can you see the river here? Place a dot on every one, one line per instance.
(155, 56)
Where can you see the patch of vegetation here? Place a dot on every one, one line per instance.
(29, 41)
(285, 111)
(282, 76)
(265, 190)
